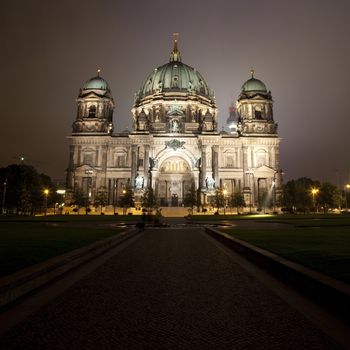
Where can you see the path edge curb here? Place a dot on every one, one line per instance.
(328, 292)
(22, 282)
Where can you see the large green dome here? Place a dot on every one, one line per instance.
(175, 76)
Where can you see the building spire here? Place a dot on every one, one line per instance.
(175, 54)
(252, 72)
(98, 72)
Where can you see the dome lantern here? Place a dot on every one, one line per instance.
(175, 54)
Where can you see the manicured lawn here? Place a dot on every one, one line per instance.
(71, 218)
(323, 249)
(302, 220)
(27, 243)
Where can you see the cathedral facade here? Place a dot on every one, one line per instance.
(175, 141)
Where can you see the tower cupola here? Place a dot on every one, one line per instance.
(254, 109)
(95, 108)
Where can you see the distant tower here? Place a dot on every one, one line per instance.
(255, 109)
(232, 120)
(95, 108)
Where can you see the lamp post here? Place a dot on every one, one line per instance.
(251, 193)
(46, 193)
(115, 196)
(224, 192)
(314, 192)
(347, 187)
(124, 209)
(4, 197)
(88, 172)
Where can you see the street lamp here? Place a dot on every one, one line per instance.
(347, 187)
(224, 192)
(115, 196)
(46, 192)
(4, 197)
(314, 192)
(123, 201)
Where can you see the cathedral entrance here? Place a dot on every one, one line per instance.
(175, 200)
(174, 181)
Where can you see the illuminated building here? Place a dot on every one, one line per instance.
(174, 140)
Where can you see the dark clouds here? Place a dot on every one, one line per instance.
(300, 49)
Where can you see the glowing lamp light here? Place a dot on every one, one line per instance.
(46, 192)
(224, 192)
(315, 191)
(347, 186)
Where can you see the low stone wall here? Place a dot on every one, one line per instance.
(24, 281)
(325, 290)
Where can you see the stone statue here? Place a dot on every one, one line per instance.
(175, 126)
(210, 182)
(139, 182)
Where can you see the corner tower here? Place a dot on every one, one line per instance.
(254, 109)
(257, 130)
(95, 107)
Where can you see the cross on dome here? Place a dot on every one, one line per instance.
(175, 54)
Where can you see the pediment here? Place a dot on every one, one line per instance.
(264, 169)
(84, 168)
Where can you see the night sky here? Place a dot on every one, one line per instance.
(300, 49)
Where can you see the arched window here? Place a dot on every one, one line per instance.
(261, 158)
(92, 111)
(88, 158)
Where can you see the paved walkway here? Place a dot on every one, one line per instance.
(170, 289)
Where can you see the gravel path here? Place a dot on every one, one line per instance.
(170, 289)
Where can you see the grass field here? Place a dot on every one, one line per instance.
(323, 249)
(70, 218)
(26, 243)
(303, 220)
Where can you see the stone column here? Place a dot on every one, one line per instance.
(203, 165)
(133, 164)
(79, 161)
(215, 165)
(146, 165)
(70, 172)
(104, 164)
(245, 166)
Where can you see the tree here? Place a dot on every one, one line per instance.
(24, 189)
(218, 199)
(296, 194)
(148, 199)
(237, 201)
(190, 199)
(127, 199)
(80, 199)
(101, 198)
(329, 196)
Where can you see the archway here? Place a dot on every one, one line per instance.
(174, 181)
